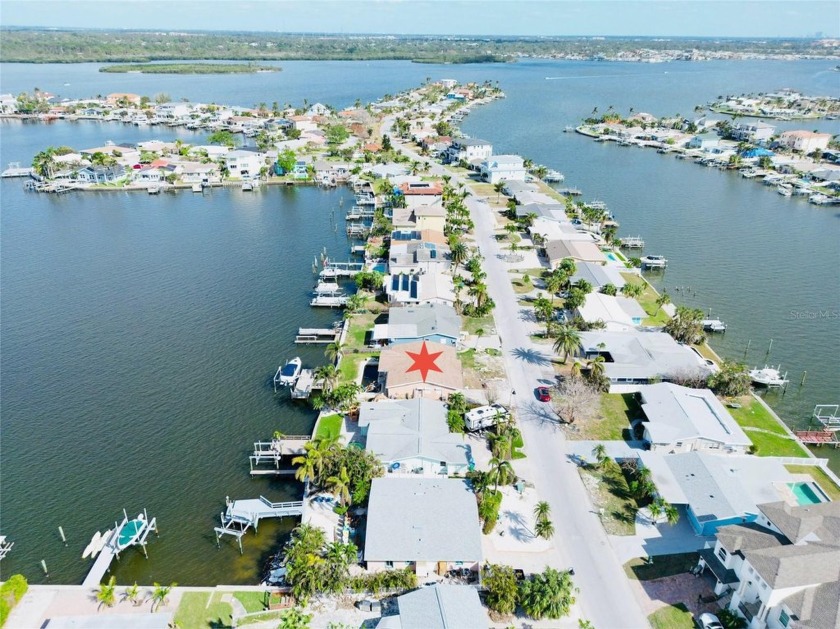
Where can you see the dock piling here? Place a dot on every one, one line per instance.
(63, 538)
(802, 382)
(44, 568)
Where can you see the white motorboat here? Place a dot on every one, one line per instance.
(654, 262)
(288, 374)
(713, 325)
(129, 532)
(768, 377)
(785, 189)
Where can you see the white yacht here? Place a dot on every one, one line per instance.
(288, 374)
(654, 262)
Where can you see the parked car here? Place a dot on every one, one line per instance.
(543, 394)
(710, 621)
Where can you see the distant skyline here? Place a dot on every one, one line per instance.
(657, 18)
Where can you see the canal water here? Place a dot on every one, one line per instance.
(140, 333)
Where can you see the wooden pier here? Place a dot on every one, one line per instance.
(329, 301)
(632, 242)
(818, 437)
(359, 212)
(241, 515)
(304, 385)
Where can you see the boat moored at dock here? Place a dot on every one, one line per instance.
(288, 374)
(713, 325)
(654, 262)
(768, 376)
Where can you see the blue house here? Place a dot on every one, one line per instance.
(437, 323)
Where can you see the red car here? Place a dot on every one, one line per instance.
(543, 394)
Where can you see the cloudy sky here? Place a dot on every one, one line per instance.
(758, 18)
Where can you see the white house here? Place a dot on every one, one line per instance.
(752, 131)
(679, 419)
(8, 103)
(805, 141)
(468, 149)
(441, 606)
(173, 111)
(704, 141)
(618, 313)
(783, 570)
(244, 164)
(503, 167)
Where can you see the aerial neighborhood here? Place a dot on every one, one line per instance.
(478, 303)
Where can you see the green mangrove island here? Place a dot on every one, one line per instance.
(189, 68)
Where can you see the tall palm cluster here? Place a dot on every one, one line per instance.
(344, 471)
(314, 566)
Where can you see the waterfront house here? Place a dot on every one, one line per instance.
(413, 437)
(704, 141)
(304, 123)
(417, 256)
(8, 104)
(503, 167)
(212, 151)
(577, 250)
(805, 141)
(149, 174)
(757, 132)
(437, 323)
(418, 193)
(243, 164)
(549, 211)
(120, 98)
(100, 174)
(440, 606)
(783, 570)
(617, 313)
(434, 286)
(428, 524)
(641, 356)
(424, 369)
(597, 275)
(173, 111)
(431, 216)
(193, 172)
(679, 419)
(717, 490)
(468, 149)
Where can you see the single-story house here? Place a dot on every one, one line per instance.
(640, 356)
(503, 167)
(192, 172)
(704, 141)
(618, 313)
(598, 276)
(429, 524)
(679, 419)
(438, 323)
(100, 174)
(428, 369)
(412, 437)
(577, 250)
(433, 286)
(441, 606)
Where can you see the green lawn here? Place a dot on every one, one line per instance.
(329, 427)
(360, 325)
(348, 368)
(613, 496)
(252, 620)
(819, 475)
(774, 445)
(193, 611)
(252, 601)
(672, 617)
(662, 566)
(467, 359)
(753, 414)
(613, 422)
(647, 300)
(520, 287)
(472, 325)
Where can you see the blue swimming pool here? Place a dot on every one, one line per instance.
(808, 493)
(609, 255)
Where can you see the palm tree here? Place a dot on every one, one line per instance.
(44, 162)
(106, 594)
(672, 514)
(663, 299)
(333, 350)
(655, 510)
(600, 453)
(542, 511)
(632, 290)
(328, 375)
(294, 618)
(575, 370)
(553, 283)
(310, 463)
(544, 529)
(160, 595)
(568, 341)
(132, 593)
(498, 187)
(597, 367)
(609, 289)
(340, 486)
(457, 254)
(501, 472)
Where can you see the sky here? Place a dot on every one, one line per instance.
(706, 18)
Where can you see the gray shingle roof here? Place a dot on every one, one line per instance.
(422, 519)
(598, 275)
(424, 320)
(741, 537)
(405, 429)
(442, 607)
(816, 608)
(796, 564)
(819, 522)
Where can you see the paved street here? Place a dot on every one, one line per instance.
(605, 598)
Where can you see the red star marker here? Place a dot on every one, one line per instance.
(424, 362)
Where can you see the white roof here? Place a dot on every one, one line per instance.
(442, 607)
(422, 519)
(676, 413)
(598, 275)
(616, 312)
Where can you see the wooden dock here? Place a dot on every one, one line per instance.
(329, 301)
(110, 549)
(304, 385)
(341, 269)
(273, 452)
(241, 515)
(818, 437)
